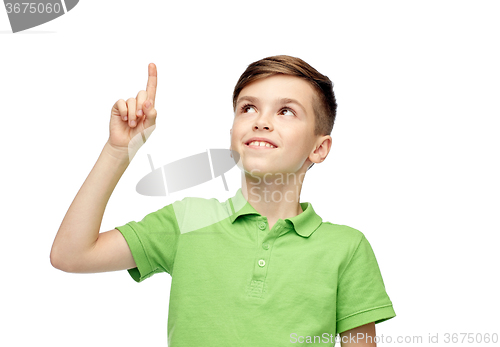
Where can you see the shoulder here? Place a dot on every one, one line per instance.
(193, 213)
(344, 231)
(342, 236)
(352, 246)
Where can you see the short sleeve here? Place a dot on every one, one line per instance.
(361, 294)
(153, 242)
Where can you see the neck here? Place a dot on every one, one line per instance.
(273, 196)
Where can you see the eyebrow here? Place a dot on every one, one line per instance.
(280, 101)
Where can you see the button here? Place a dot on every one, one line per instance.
(262, 225)
(262, 262)
(265, 245)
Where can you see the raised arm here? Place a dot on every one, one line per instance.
(78, 246)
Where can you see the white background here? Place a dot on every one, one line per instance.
(414, 161)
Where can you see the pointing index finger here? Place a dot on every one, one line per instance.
(151, 87)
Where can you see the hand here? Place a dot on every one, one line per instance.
(132, 122)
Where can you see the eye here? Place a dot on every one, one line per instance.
(245, 107)
(289, 110)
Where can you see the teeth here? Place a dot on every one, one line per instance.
(261, 143)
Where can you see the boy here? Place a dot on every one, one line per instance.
(260, 269)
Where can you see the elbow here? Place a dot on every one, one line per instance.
(54, 261)
(67, 260)
(58, 263)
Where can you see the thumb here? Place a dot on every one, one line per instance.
(150, 114)
(150, 118)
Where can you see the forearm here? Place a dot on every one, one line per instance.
(362, 336)
(79, 229)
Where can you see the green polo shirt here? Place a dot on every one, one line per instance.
(237, 283)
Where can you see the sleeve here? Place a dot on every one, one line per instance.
(153, 242)
(361, 294)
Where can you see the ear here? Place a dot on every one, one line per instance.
(322, 148)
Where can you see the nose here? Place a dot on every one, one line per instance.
(263, 121)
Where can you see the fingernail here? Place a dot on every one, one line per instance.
(125, 118)
(132, 123)
(139, 112)
(147, 104)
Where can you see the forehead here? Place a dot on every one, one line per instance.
(280, 86)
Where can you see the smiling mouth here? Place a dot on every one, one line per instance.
(259, 147)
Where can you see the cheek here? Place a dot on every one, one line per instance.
(237, 133)
(235, 139)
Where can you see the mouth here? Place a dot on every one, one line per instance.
(259, 146)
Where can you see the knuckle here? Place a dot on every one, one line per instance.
(141, 94)
(118, 103)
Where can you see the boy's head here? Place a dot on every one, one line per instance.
(260, 111)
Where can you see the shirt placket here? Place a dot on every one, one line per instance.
(262, 260)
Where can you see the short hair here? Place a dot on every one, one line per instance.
(324, 103)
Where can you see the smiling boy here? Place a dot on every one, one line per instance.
(278, 110)
(261, 268)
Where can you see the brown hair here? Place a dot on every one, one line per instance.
(324, 103)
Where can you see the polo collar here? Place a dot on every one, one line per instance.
(304, 224)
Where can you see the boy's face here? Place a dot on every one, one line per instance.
(260, 112)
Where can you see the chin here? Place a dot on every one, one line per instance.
(255, 168)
